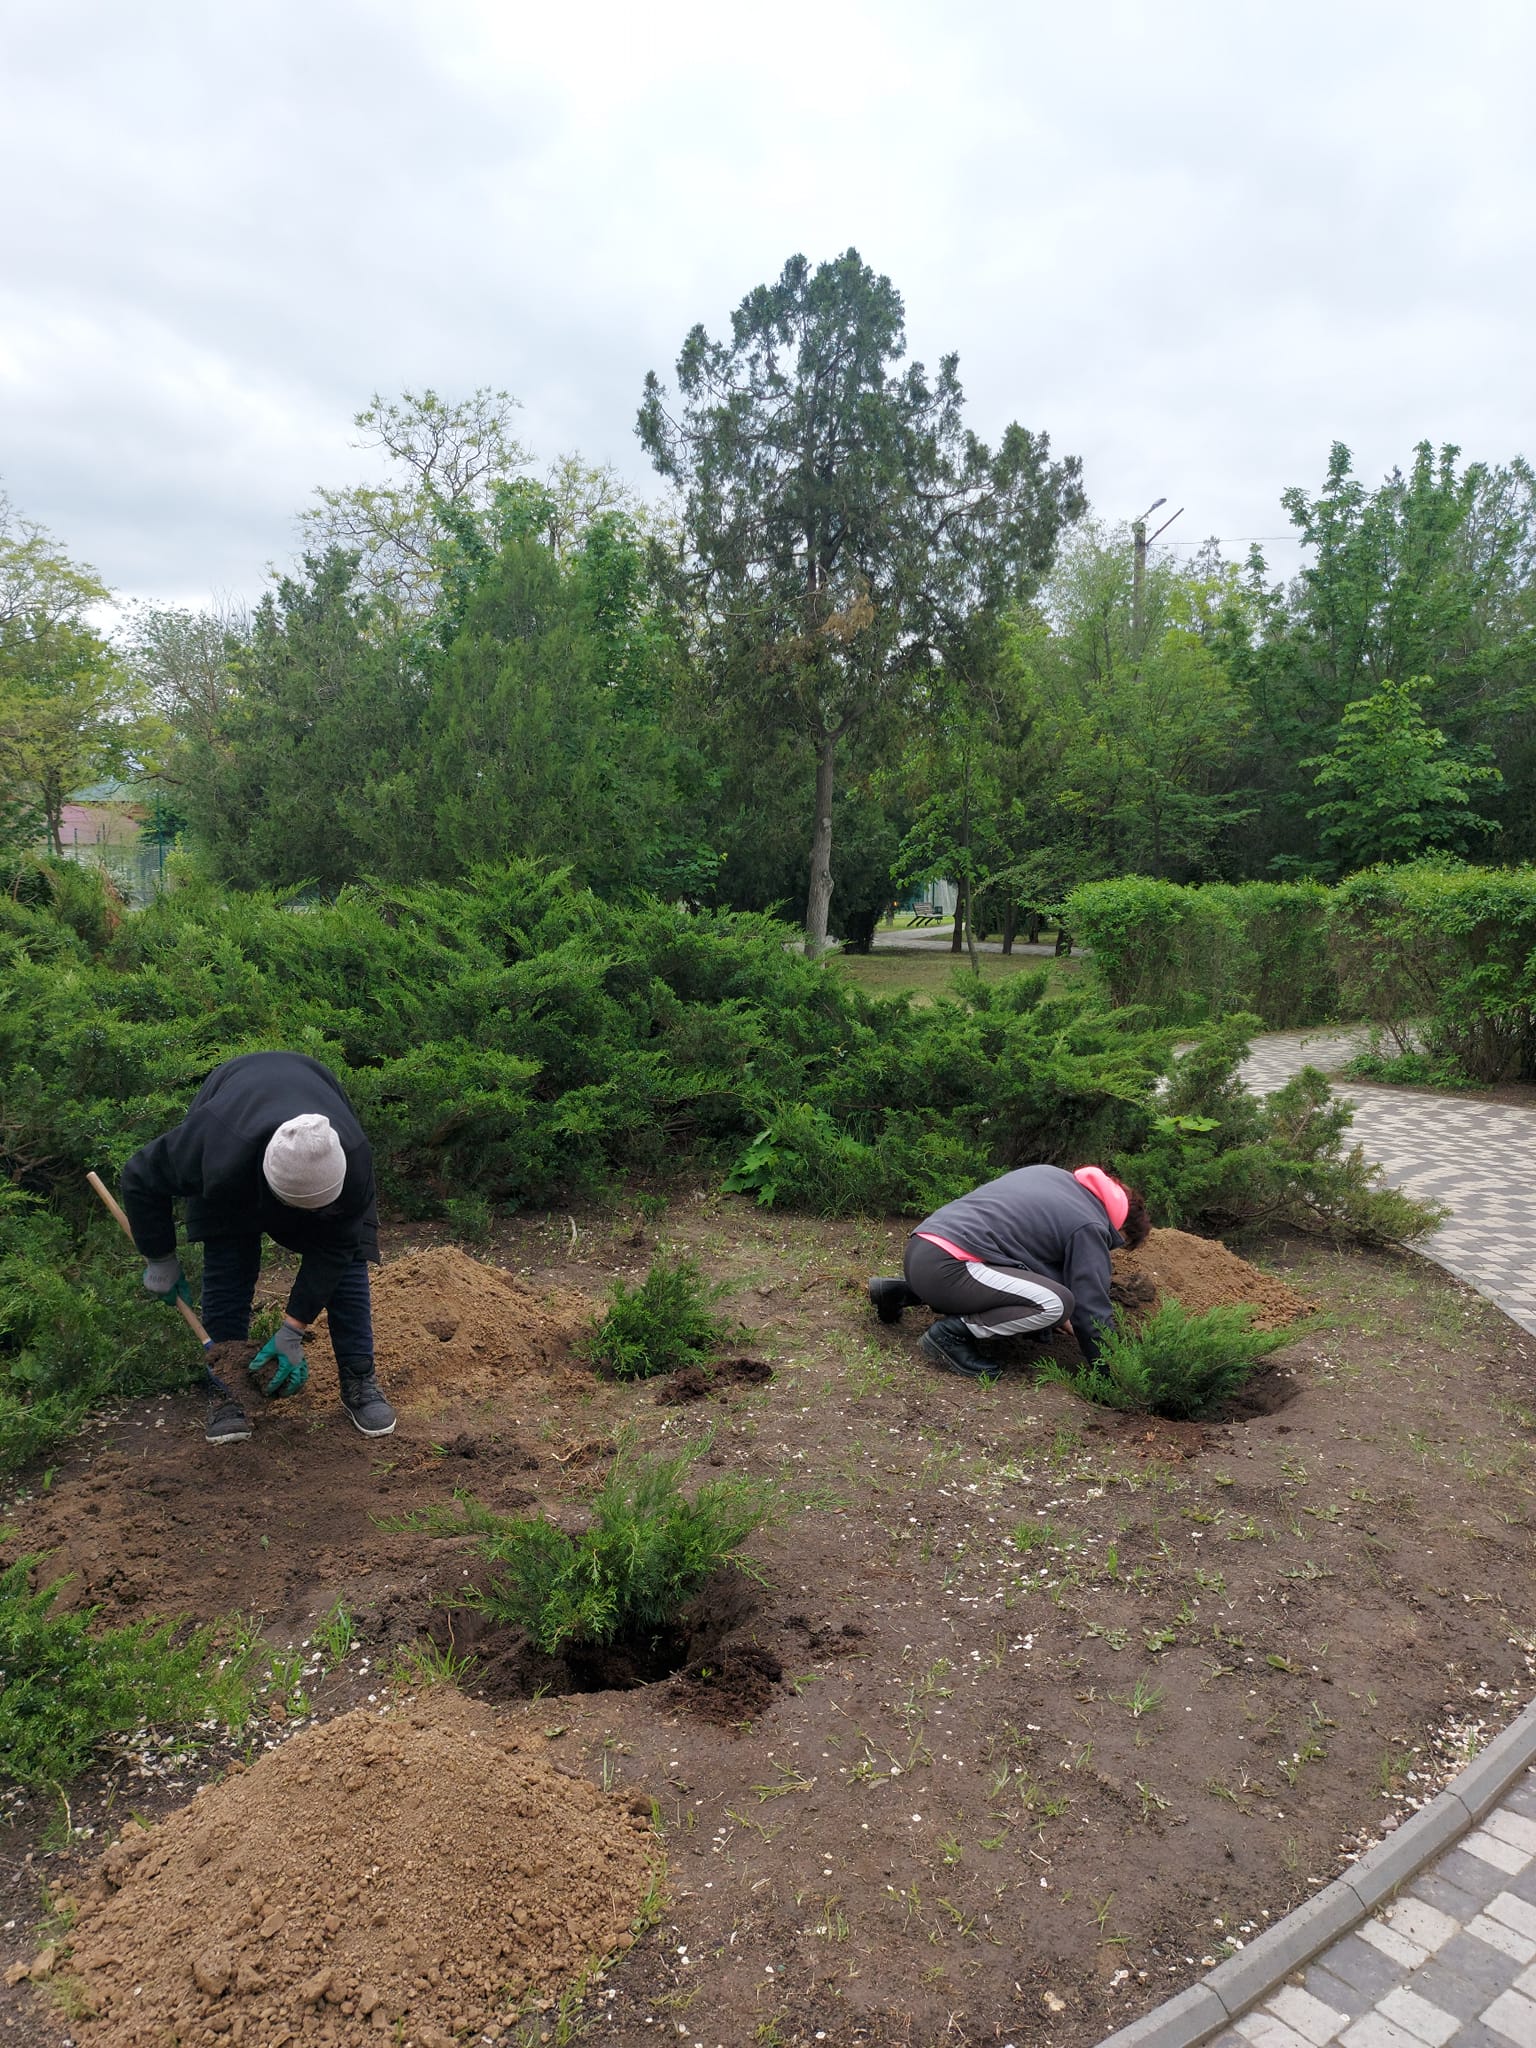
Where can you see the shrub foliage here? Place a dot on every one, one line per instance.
(518, 1040)
(1443, 958)
(1174, 1363)
(65, 1688)
(1187, 954)
(660, 1325)
(630, 1574)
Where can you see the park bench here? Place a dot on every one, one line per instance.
(926, 913)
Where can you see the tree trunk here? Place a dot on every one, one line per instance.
(1010, 923)
(958, 934)
(970, 927)
(53, 815)
(819, 900)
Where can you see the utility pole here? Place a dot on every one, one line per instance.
(1139, 573)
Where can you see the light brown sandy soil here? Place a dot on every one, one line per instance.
(1201, 1274)
(381, 1877)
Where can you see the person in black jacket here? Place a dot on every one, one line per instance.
(270, 1146)
(1027, 1252)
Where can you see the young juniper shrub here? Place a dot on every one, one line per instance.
(630, 1574)
(664, 1323)
(1173, 1364)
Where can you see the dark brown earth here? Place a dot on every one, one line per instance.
(1035, 1706)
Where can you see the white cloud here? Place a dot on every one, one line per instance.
(1195, 242)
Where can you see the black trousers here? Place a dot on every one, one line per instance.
(231, 1268)
(994, 1301)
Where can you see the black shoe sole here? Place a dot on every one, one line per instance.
(940, 1356)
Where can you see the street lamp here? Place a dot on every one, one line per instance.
(1139, 568)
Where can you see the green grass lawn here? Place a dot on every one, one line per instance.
(924, 975)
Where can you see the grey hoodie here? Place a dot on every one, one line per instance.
(1040, 1218)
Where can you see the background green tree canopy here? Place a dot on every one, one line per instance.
(839, 519)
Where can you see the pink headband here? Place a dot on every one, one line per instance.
(1110, 1193)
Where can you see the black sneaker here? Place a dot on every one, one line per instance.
(228, 1422)
(890, 1297)
(363, 1399)
(949, 1343)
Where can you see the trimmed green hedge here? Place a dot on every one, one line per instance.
(1188, 954)
(1443, 956)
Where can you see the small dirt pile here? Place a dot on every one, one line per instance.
(420, 1871)
(444, 1323)
(1201, 1274)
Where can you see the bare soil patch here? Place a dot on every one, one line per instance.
(405, 1869)
(1065, 1700)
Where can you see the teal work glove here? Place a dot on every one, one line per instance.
(280, 1366)
(164, 1279)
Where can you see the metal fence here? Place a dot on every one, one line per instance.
(136, 866)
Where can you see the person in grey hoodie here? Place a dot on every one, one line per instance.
(1027, 1252)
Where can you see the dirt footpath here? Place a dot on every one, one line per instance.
(1026, 1711)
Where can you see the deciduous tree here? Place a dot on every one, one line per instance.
(1402, 790)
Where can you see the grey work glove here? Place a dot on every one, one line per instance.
(164, 1279)
(280, 1366)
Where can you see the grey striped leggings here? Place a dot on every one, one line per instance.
(993, 1301)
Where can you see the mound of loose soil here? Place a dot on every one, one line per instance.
(700, 1382)
(445, 1323)
(1201, 1274)
(421, 1868)
(733, 1689)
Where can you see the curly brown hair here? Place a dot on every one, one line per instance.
(1137, 1222)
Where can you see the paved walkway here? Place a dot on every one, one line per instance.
(1449, 1959)
(1451, 1963)
(1479, 1158)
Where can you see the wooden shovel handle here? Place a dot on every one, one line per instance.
(188, 1314)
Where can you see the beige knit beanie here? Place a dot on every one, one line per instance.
(304, 1163)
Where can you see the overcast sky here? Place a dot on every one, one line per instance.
(1194, 242)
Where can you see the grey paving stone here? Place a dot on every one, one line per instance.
(1514, 2016)
(1436, 1889)
(1501, 1765)
(1470, 1874)
(1473, 2034)
(1322, 1983)
(1522, 1796)
(1488, 1969)
(1448, 1988)
(1280, 1949)
(1363, 1966)
(1523, 1884)
(1391, 1863)
(1179, 2022)
(1425, 1149)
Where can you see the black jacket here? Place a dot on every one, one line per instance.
(212, 1160)
(1040, 1218)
